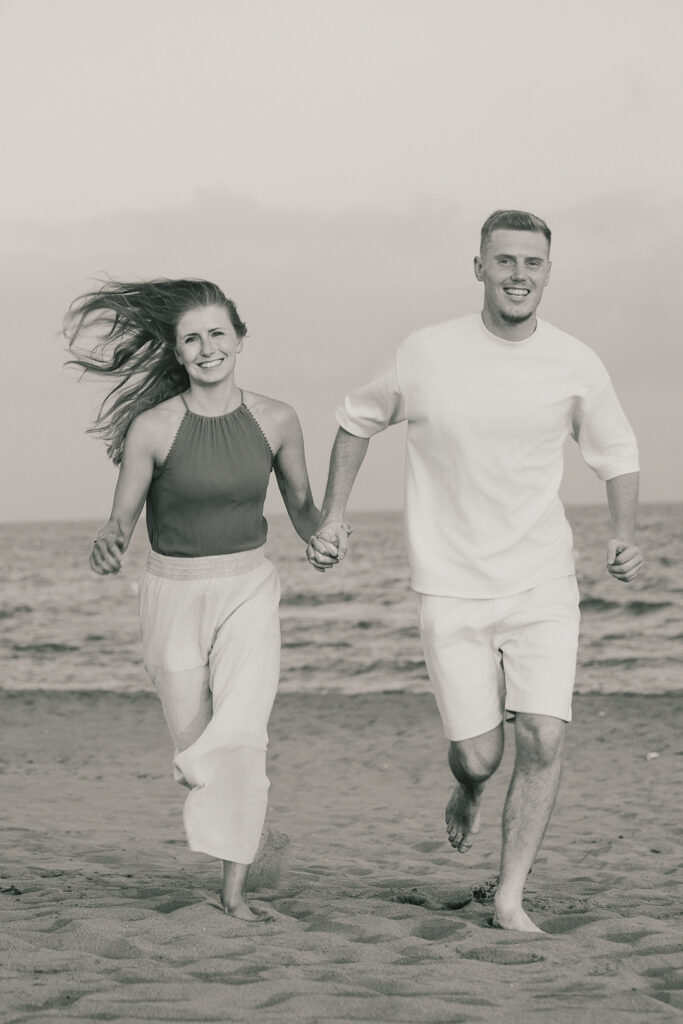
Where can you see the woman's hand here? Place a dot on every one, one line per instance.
(106, 556)
(327, 547)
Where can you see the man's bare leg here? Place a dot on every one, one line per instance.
(234, 894)
(472, 762)
(528, 806)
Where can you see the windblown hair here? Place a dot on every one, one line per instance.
(129, 331)
(512, 220)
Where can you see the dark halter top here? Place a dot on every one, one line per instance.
(207, 498)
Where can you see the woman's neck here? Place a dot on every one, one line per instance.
(213, 399)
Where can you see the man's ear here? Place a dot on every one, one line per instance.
(477, 267)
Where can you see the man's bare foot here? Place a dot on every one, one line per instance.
(462, 816)
(514, 919)
(242, 911)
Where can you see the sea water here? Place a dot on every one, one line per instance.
(352, 629)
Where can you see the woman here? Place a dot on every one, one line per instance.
(199, 451)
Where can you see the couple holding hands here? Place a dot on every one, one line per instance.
(489, 400)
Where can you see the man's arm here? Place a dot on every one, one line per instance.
(624, 560)
(328, 545)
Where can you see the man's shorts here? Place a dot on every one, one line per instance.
(515, 654)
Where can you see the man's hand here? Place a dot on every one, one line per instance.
(624, 560)
(328, 546)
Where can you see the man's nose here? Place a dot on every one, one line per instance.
(518, 272)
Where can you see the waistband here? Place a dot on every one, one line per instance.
(204, 567)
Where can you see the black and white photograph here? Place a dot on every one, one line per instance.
(341, 529)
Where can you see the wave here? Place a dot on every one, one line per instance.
(345, 669)
(308, 599)
(645, 607)
(18, 609)
(45, 648)
(629, 663)
(600, 604)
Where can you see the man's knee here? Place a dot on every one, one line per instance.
(539, 739)
(476, 758)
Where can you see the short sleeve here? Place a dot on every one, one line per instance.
(602, 431)
(375, 406)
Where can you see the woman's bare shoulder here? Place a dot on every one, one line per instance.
(278, 420)
(153, 427)
(276, 411)
(159, 416)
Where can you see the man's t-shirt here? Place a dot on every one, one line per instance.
(487, 421)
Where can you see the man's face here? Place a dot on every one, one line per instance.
(514, 268)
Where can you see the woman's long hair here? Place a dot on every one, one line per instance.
(131, 328)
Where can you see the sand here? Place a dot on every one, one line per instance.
(107, 916)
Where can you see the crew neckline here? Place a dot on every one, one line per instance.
(522, 343)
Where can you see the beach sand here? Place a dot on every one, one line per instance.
(107, 916)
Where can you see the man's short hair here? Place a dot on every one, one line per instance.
(512, 220)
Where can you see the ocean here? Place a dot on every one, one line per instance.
(352, 630)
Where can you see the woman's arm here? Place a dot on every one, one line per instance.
(135, 476)
(292, 476)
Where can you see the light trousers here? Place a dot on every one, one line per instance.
(211, 646)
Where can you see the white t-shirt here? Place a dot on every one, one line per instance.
(487, 421)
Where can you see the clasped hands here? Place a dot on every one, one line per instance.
(624, 560)
(327, 547)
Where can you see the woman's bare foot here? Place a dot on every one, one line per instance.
(234, 895)
(513, 918)
(462, 815)
(242, 911)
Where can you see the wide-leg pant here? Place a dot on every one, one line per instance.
(211, 646)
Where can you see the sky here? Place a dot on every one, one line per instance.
(329, 165)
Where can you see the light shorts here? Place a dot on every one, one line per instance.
(515, 654)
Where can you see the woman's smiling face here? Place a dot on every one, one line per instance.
(206, 344)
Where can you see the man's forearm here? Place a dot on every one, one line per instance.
(622, 498)
(346, 459)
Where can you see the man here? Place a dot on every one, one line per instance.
(490, 400)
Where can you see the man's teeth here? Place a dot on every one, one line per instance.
(516, 291)
(211, 362)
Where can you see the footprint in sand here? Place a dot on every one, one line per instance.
(506, 955)
(176, 903)
(569, 923)
(451, 899)
(438, 929)
(428, 846)
(628, 936)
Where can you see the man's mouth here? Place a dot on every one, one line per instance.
(517, 293)
(210, 363)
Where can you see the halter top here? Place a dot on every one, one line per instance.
(207, 498)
